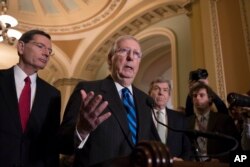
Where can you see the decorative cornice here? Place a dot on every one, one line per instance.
(112, 7)
(216, 41)
(66, 82)
(133, 27)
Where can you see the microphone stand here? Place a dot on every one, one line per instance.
(194, 134)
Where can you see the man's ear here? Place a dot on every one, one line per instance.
(109, 60)
(210, 99)
(20, 47)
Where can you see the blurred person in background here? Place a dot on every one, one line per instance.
(206, 120)
(201, 75)
(178, 144)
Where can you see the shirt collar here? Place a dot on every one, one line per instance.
(20, 75)
(206, 115)
(163, 111)
(119, 87)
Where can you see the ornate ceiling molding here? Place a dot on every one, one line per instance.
(110, 8)
(132, 27)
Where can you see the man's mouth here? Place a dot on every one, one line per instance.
(43, 60)
(129, 67)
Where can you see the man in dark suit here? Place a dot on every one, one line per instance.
(28, 140)
(201, 75)
(103, 128)
(208, 121)
(178, 144)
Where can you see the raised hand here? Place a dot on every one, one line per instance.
(91, 113)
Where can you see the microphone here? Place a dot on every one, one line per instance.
(238, 100)
(194, 134)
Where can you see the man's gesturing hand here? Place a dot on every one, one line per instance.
(91, 113)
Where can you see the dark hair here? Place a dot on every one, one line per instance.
(198, 74)
(28, 36)
(200, 85)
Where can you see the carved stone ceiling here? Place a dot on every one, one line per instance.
(63, 16)
(82, 30)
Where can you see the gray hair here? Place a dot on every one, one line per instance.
(160, 80)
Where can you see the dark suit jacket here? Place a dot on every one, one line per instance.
(178, 143)
(34, 147)
(112, 138)
(221, 123)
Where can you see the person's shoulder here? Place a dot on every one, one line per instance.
(5, 71)
(175, 112)
(221, 116)
(138, 91)
(89, 84)
(45, 85)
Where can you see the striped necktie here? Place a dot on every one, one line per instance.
(128, 103)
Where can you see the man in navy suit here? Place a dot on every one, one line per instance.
(178, 144)
(29, 143)
(95, 119)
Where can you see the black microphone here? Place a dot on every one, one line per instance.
(238, 100)
(194, 134)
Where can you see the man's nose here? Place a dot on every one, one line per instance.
(160, 92)
(130, 55)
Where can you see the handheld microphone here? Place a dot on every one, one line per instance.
(194, 134)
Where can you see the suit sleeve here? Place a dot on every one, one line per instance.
(67, 129)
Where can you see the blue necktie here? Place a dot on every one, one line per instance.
(128, 103)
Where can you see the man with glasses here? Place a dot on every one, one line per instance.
(29, 107)
(105, 119)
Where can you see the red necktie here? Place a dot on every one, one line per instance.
(24, 103)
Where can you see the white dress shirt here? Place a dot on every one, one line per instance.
(19, 76)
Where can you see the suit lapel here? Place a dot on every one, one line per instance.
(140, 108)
(116, 107)
(170, 123)
(38, 108)
(9, 92)
(211, 121)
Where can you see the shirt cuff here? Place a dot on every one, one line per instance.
(82, 141)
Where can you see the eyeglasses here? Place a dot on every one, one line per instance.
(42, 47)
(127, 51)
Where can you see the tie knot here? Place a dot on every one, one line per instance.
(126, 94)
(160, 112)
(125, 91)
(202, 119)
(27, 80)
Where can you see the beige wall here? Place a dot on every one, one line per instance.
(237, 74)
(219, 44)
